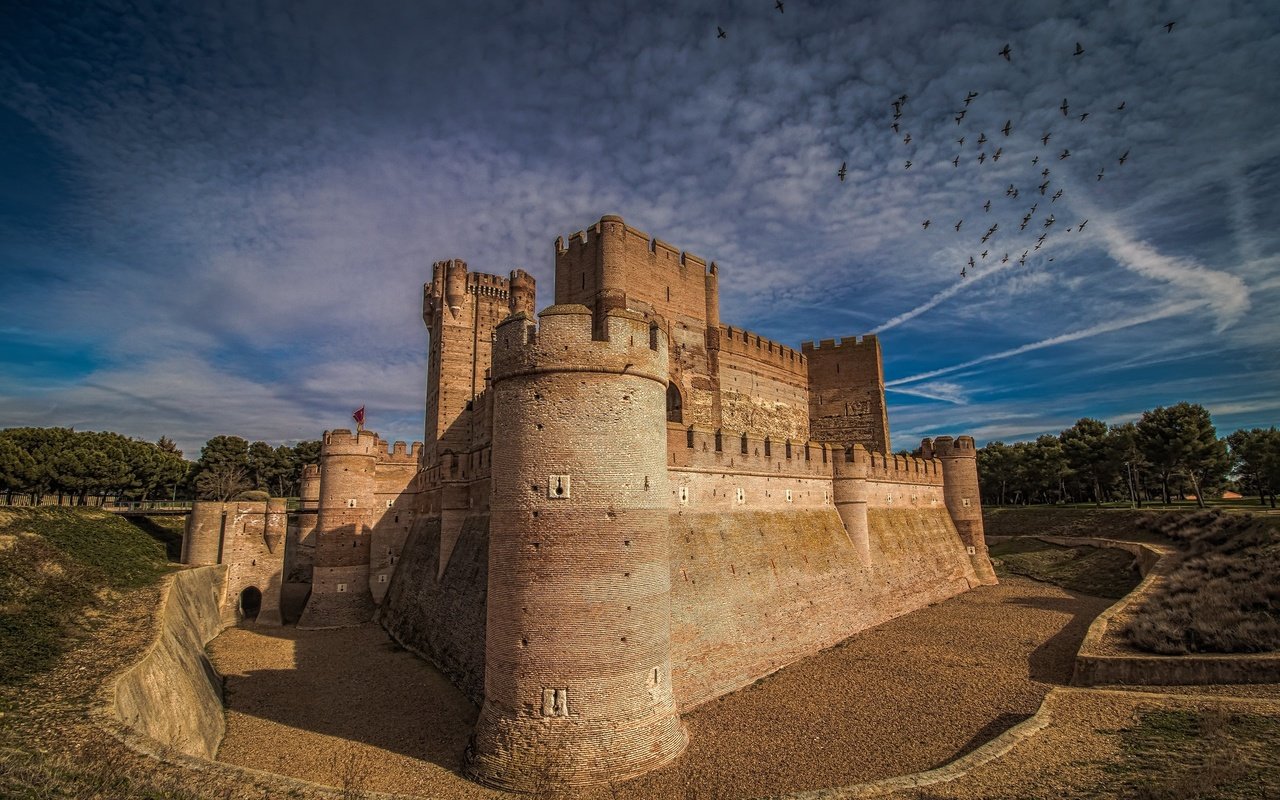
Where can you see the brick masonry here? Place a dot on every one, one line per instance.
(623, 508)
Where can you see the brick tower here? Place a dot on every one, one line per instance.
(577, 644)
(340, 579)
(461, 310)
(959, 460)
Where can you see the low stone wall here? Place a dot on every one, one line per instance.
(1105, 658)
(173, 695)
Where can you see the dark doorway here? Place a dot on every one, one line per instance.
(250, 603)
(675, 408)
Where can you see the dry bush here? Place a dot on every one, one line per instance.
(1223, 593)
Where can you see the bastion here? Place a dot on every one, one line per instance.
(621, 509)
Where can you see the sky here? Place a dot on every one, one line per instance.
(216, 217)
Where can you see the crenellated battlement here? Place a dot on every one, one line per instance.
(946, 447)
(401, 453)
(341, 441)
(634, 240)
(890, 468)
(697, 446)
(758, 348)
(868, 340)
(562, 341)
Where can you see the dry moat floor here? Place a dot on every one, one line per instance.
(348, 708)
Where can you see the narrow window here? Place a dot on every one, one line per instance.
(766, 447)
(719, 447)
(744, 444)
(675, 406)
(788, 448)
(688, 438)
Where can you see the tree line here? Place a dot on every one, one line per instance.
(1169, 452)
(39, 465)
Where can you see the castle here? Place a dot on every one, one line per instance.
(623, 509)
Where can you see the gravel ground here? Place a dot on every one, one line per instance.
(348, 709)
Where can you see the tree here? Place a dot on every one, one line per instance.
(1256, 454)
(1181, 439)
(1084, 446)
(996, 465)
(222, 482)
(1125, 453)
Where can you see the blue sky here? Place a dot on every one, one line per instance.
(217, 217)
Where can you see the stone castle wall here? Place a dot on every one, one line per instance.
(248, 537)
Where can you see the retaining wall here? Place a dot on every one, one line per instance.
(174, 695)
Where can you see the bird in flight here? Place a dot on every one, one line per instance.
(906, 139)
(925, 224)
(1100, 171)
(778, 5)
(842, 171)
(970, 261)
(1084, 116)
(1008, 126)
(1168, 27)
(982, 157)
(1044, 173)
(1124, 156)
(960, 141)
(955, 162)
(960, 115)
(1064, 106)
(908, 166)
(996, 155)
(982, 139)
(1055, 197)
(1079, 50)
(1043, 187)
(720, 32)
(986, 206)
(1065, 154)
(1005, 52)
(1082, 224)
(1005, 260)
(1121, 106)
(969, 98)
(895, 127)
(902, 98)
(1049, 221)
(1035, 161)
(964, 272)
(1045, 139)
(1009, 192)
(984, 253)
(1034, 206)
(958, 224)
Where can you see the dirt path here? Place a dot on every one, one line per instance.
(347, 708)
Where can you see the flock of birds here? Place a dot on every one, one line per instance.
(1043, 184)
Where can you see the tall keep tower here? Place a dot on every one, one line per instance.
(340, 579)
(579, 559)
(461, 310)
(959, 459)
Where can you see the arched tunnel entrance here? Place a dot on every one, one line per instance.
(250, 603)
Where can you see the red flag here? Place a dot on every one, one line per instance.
(358, 416)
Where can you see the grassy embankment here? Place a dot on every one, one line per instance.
(1174, 754)
(1099, 571)
(1223, 591)
(59, 568)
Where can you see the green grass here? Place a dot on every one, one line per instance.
(1099, 571)
(1177, 755)
(166, 529)
(1222, 594)
(1135, 525)
(57, 567)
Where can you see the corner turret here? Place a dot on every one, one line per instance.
(959, 459)
(579, 559)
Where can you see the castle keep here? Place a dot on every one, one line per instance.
(624, 508)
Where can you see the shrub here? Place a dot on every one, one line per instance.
(1223, 592)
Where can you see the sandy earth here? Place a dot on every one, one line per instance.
(347, 708)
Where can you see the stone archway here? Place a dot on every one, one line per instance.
(675, 404)
(250, 603)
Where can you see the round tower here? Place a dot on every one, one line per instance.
(309, 489)
(522, 292)
(849, 493)
(340, 578)
(959, 459)
(202, 539)
(455, 285)
(577, 643)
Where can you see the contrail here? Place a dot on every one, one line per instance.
(1105, 327)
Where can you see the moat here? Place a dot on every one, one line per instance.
(349, 708)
